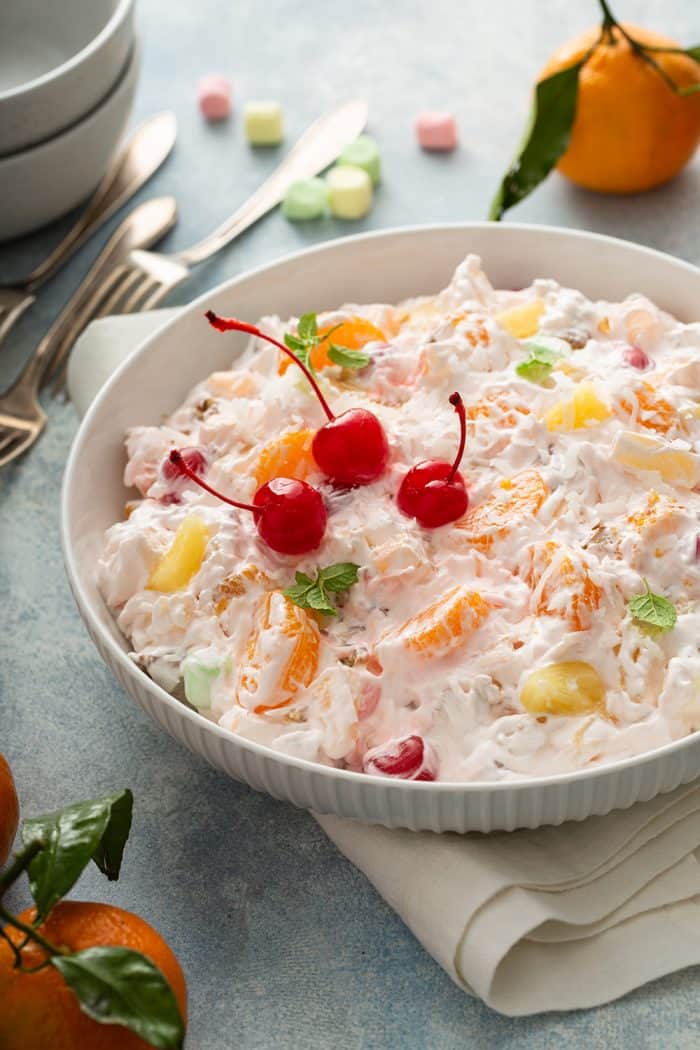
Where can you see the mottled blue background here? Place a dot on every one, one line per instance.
(283, 942)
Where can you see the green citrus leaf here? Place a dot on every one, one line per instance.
(94, 830)
(122, 987)
(653, 610)
(546, 140)
(341, 355)
(693, 52)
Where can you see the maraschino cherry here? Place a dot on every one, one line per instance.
(433, 492)
(405, 759)
(289, 515)
(352, 448)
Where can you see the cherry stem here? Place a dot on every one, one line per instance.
(178, 461)
(231, 324)
(458, 405)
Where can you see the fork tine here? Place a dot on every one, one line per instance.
(158, 295)
(144, 288)
(6, 436)
(8, 316)
(20, 445)
(113, 304)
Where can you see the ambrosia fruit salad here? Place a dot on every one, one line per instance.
(457, 539)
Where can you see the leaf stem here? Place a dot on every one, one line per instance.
(608, 17)
(31, 933)
(20, 864)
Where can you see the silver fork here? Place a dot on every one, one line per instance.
(140, 156)
(22, 418)
(146, 278)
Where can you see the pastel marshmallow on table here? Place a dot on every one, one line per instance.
(363, 153)
(214, 96)
(349, 191)
(436, 130)
(263, 123)
(305, 199)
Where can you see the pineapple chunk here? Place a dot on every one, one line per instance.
(182, 558)
(522, 321)
(643, 452)
(570, 688)
(584, 408)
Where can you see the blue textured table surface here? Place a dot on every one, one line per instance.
(283, 942)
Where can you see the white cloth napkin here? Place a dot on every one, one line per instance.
(553, 919)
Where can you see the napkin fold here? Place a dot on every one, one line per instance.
(530, 921)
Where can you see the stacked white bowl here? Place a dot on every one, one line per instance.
(68, 72)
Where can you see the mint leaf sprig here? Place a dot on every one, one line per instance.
(306, 338)
(313, 594)
(538, 364)
(652, 610)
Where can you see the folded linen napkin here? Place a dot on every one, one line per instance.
(552, 919)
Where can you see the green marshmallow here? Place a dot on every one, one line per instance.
(198, 680)
(363, 153)
(305, 199)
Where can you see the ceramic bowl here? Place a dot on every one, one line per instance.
(386, 266)
(58, 61)
(40, 184)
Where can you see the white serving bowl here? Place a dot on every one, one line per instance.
(58, 60)
(385, 266)
(40, 184)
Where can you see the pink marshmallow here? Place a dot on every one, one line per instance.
(214, 96)
(436, 130)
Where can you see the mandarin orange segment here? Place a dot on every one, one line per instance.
(353, 334)
(653, 411)
(553, 571)
(496, 405)
(284, 632)
(286, 457)
(445, 623)
(526, 492)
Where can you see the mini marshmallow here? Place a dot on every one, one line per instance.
(436, 130)
(363, 153)
(349, 191)
(305, 199)
(263, 123)
(214, 96)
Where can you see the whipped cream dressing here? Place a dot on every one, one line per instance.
(555, 571)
